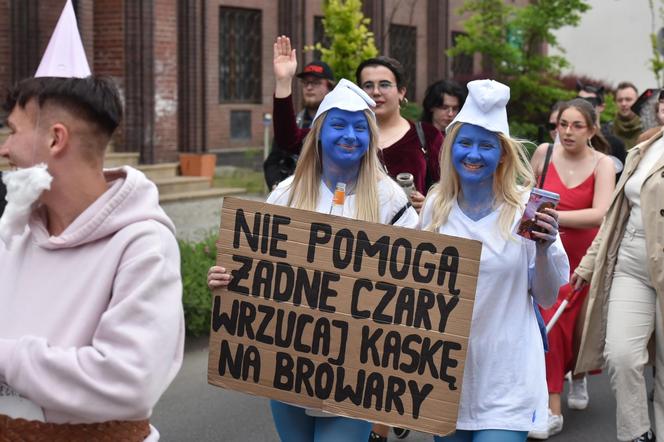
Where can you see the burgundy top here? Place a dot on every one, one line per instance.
(403, 156)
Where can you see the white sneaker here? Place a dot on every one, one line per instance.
(577, 397)
(554, 426)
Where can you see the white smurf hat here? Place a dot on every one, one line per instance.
(346, 96)
(65, 56)
(485, 106)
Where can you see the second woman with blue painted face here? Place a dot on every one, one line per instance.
(340, 148)
(489, 178)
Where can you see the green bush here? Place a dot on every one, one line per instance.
(196, 259)
(411, 111)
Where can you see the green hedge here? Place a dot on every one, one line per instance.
(196, 259)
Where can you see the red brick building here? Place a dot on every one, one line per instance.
(196, 75)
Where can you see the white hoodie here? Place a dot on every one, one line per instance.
(91, 321)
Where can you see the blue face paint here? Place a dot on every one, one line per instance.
(345, 139)
(476, 153)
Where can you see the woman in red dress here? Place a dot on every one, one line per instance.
(584, 178)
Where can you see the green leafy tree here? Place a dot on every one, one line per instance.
(656, 62)
(350, 40)
(512, 41)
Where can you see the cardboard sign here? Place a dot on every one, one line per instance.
(353, 318)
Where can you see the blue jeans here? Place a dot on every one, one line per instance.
(294, 425)
(484, 436)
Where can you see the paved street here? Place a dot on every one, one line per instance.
(191, 410)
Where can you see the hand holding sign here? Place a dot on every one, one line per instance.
(353, 318)
(218, 277)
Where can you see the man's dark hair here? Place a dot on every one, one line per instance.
(433, 97)
(626, 85)
(93, 99)
(598, 91)
(391, 63)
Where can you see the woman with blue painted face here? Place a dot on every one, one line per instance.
(340, 148)
(503, 393)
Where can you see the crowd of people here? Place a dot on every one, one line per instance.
(583, 164)
(88, 347)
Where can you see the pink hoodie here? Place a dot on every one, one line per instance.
(91, 321)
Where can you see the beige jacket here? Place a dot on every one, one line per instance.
(598, 264)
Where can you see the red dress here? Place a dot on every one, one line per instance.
(561, 356)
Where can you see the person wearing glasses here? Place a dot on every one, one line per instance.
(401, 147)
(583, 176)
(595, 96)
(404, 146)
(442, 102)
(317, 79)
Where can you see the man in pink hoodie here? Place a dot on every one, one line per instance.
(91, 321)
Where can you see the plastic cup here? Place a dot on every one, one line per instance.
(539, 200)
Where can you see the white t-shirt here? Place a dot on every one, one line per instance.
(392, 199)
(504, 382)
(635, 182)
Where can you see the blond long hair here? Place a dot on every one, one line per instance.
(306, 180)
(512, 178)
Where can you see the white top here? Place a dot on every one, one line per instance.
(504, 381)
(392, 198)
(635, 182)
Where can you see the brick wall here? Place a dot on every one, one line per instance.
(108, 54)
(49, 12)
(166, 80)
(218, 115)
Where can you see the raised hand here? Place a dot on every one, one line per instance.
(284, 63)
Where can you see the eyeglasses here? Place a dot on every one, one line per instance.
(551, 126)
(383, 86)
(312, 83)
(574, 127)
(449, 109)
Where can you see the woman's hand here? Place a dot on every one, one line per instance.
(218, 277)
(417, 200)
(548, 222)
(577, 282)
(285, 65)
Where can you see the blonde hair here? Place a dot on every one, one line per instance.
(306, 180)
(512, 178)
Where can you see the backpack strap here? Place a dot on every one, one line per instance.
(545, 167)
(428, 181)
(398, 215)
(423, 139)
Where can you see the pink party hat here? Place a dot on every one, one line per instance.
(65, 56)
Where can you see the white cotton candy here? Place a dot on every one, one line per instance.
(24, 186)
(17, 407)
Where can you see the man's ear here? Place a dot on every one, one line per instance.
(59, 139)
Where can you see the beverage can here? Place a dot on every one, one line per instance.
(539, 200)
